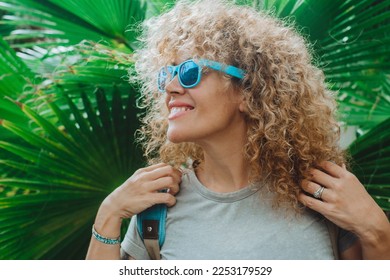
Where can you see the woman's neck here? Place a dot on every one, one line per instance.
(224, 168)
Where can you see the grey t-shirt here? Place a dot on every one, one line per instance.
(237, 225)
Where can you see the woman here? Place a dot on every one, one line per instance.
(240, 119)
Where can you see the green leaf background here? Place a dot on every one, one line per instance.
(68, 113)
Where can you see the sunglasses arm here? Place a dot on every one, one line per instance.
(228, 69)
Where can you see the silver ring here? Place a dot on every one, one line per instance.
(318, 193)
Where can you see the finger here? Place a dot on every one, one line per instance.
(332, 169)
(177, 173)
(163, 171)
(312, 203)
(311, 187)
(163, 198)
(323, 178)
(150, 168)
(161, 184)
(173, 189)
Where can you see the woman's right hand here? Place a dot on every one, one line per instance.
(139, 192)
(142, 190)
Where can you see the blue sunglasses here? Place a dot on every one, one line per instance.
(190, 72)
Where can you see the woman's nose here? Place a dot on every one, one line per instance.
(174, 86)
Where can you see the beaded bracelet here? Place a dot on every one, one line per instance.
(103, 239)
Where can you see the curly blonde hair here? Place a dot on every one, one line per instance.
(290, 112)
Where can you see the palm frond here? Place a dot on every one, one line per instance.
(371, 161)
(68, 167)
(354, 53)
(14, 74)
(52, 23)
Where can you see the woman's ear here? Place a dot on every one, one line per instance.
(242, 106)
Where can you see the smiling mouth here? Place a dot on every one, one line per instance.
(179, 111)
(175, 110)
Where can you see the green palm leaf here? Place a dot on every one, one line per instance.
(14, 75)
(75, 144)
(70, 22)
(355, 57)
(65, 175)
(371, 161)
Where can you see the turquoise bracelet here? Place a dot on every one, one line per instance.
(103, 239)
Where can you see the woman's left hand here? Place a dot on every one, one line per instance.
(344, 200)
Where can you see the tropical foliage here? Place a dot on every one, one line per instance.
(68, 113)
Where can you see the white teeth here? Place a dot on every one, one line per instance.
(175, 110)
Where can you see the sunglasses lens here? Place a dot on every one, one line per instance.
(189, 74)
(162, 79)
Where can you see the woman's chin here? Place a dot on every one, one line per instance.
(176, 140)
(176, 137)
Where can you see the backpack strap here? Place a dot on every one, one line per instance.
(334, 232)
(151, 228)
